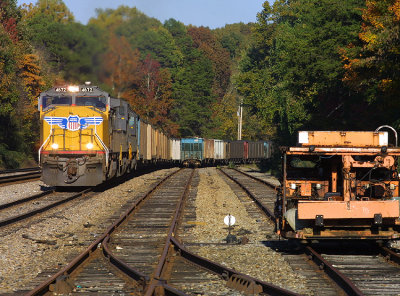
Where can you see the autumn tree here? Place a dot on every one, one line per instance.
(371, 63)
(121, 66)
(206, 41)
(54, 10)
(20, 83)
(152, 98)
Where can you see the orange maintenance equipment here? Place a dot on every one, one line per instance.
(340, 185)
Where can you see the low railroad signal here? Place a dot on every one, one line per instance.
(230, 221)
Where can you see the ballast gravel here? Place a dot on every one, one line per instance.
(49, 242)
(215, 200)
(14, 192)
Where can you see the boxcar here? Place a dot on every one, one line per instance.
(148, 141)
(219, 150)
(259, 150)
(208, 151)
(175, 150)
(238, 151)
(144, 143)
(192, 151)
(227, 147)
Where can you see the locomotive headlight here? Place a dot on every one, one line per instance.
(73, 88)
(293, 186)
(54, 146)
(89, 145)
(318, 186)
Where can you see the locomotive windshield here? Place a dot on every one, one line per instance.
(56, 100)
(97, 102)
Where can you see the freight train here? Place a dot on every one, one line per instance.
(88, 137)
(340, 185)
(199, 151)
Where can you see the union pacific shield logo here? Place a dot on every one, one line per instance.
(73, 122)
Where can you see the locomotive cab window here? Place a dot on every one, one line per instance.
(97, 102)
(48, 101)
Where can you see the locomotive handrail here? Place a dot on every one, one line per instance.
(389, 127)
(41, 147)
(104, 145)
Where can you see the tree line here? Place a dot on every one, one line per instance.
(324, 65)
(177, 77)
(305, 64)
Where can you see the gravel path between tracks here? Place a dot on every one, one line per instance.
(50, 242)
(13, 192)
(215, 199)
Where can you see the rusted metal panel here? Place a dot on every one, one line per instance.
(238, 150)
(153, 144)
(348, 210)
(343, 138)
(256, 150)
(166, 154)
(244, 284)
(208, 149)
(149, 142)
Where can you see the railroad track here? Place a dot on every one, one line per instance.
(373, 271)
(135, 255)
(30, 206)
(365, 267)
(8, 177)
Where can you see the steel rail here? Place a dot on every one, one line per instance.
(225, 272)
(19, 170)
(157, 280)
(101, 242)
(344, 282)
(257, 179)
(20, 177)
(390, 255)
(267, 211)
(25, 199)
(14, 219)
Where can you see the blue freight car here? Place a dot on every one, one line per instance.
(192, 151)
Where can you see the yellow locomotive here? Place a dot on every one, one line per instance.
(87, 136)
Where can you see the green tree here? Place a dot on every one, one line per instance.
(206, 41)
(192, 85)
(292, 75)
